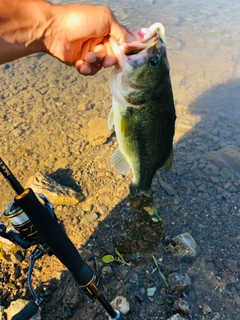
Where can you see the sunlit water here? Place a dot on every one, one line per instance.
(203, 45)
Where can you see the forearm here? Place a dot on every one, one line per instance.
(24, 25)
(75, 34)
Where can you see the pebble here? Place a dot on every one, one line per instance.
(151, 291)
(181, 306)
(205, 309)
(168, 188)
(232, 265)
(185, 245)
(120, 303)
(211, 170)
(102, 209)
(219, 263)
(89, 218)
(216, 316)
(106, 270)
(178, 282)
(225, 173)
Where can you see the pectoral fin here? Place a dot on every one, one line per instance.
(168, 164)
(120, 163)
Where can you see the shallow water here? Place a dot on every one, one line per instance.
(44, 104)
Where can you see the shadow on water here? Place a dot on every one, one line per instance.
(200, 195)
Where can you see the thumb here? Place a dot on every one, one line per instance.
(117, 30)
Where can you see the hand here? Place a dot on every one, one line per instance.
(79, 37)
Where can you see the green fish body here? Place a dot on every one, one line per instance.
(143, 112)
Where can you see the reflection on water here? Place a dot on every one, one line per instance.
(203, 43)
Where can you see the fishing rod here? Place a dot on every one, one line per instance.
(36, 224)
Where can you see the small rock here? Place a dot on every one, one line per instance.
(120, 303)
(14, 259)
(227, 185)
(184, 244)
(216, 316)
(169, 189)
(102, 209)
(10, 285)
(211, 170)
(54, 191)
(89, 218)
(232, 265)
(178, 282)
(205, 309)
(107, 270)
(225, 173)
(181, 306)
(87, 204)
(151, 291)
(219, 263)
(140, 295)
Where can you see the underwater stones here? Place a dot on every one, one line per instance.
(178, 282)
(168, 188)
(225, 173)
(181, 306)
(205, 309)
(185, 245)
(151, 291)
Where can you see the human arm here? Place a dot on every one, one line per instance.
(76, 34)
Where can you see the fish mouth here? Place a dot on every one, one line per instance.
(136, 47)
(138, 43)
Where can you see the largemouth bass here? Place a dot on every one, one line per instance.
(143, 111)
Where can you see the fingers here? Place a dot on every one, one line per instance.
(92, 62)
(87, 69)
(117, 30)
(97, 56)
(110, 58)
(98, 52)
(102, 56)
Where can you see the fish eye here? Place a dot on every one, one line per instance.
(154, 61)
